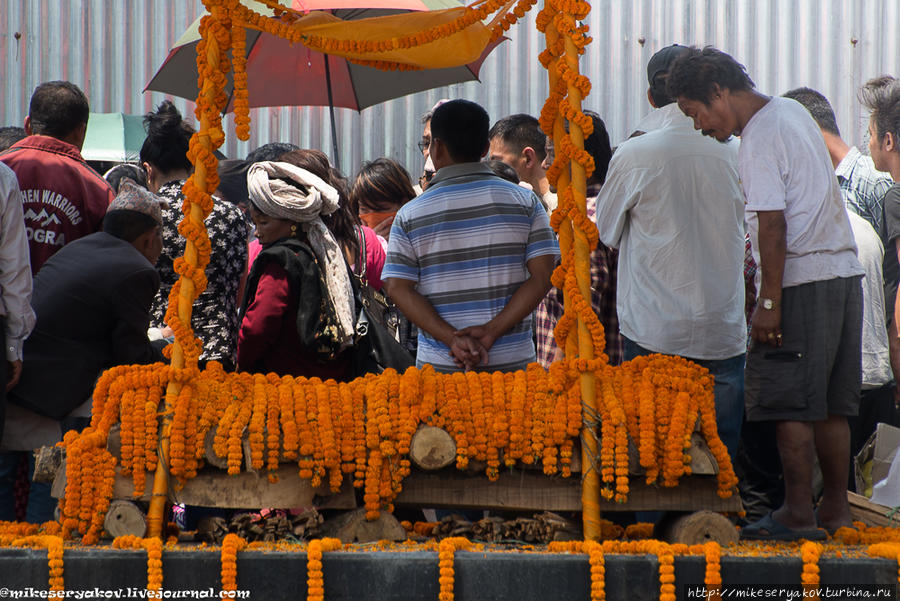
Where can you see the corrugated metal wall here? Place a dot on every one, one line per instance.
(111, 48)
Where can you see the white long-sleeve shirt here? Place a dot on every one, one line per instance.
(15, 267)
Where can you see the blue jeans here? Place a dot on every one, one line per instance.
(40, 504)
(728, 390)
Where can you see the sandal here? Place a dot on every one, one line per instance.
(768, 528)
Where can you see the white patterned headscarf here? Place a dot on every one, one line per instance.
(304, 203)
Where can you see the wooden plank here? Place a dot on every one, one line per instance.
(871, 514)
(214, 488)
(520, 490)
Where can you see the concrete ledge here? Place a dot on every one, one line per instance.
(413, 576)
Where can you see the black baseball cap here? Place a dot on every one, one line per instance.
(662, 60)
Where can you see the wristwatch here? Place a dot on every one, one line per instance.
(767, 303)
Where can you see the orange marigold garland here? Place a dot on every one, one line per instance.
(666, 558)
(365, 426)
(231, 545)
(315, 583)
(713, 576)
(54, 546)
(446, 554)
(598, 570)
(809, 578)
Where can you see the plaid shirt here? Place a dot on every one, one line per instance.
(863, 188)
(604, 263)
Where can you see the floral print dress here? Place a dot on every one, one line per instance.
(215, 314)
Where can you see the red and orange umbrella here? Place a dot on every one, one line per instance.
(283, 74)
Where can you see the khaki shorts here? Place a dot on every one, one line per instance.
(817, 371)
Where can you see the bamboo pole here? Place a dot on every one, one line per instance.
(187, 294)
(571, 184)
(590, 486)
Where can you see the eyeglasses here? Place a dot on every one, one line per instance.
(423, 144)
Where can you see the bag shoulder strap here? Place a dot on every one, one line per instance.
(361, 256)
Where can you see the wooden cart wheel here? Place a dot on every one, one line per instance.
(697, 528)
(123, 518)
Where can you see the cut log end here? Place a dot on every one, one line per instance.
(352, 526)
(432, 448)
(47, 462)
(702, 461)
(697, 528)
(124, 518)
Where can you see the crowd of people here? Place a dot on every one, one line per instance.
(762, 247)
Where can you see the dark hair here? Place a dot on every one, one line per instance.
(658, 91)
(503, 170)
(233, 181)
(695, 74)
(57, 108)
(118, 173)
(168, 139)
(270, 152)
(597, 145)
(519, 132)
(343, 221)
(10, 135)
(818, 106)
(462, 126)
(128, 225)
(381, 185)
(882, 96)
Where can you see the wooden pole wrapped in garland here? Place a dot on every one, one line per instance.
(212, 65)
(577, 236)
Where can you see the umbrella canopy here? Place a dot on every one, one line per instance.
(281, 74)
(113, 137)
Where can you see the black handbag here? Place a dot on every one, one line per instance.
(376, 347)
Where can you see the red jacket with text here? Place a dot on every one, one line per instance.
(63, 198)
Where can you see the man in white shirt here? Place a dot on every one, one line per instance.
(672, 205)
(877, 395)
(15, 282)
(803, 367)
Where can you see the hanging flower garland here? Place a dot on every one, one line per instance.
(231, 546)
(809, 578)
(446, 555)
(315, 583)
(365, 427)
(713, 576)
(153, 546)
(285, 25)
(54, 546)
(597, 562)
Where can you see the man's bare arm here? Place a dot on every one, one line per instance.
(766, 324)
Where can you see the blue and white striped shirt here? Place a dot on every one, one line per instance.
(465, 242)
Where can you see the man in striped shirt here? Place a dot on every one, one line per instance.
(470, 259)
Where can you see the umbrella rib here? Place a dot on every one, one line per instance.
(349, 68)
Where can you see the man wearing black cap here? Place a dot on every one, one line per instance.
(672, 205)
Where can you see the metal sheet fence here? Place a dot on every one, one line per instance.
(111, 48)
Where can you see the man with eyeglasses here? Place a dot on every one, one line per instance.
(423, 145)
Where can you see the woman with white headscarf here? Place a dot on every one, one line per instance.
(298, 311)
